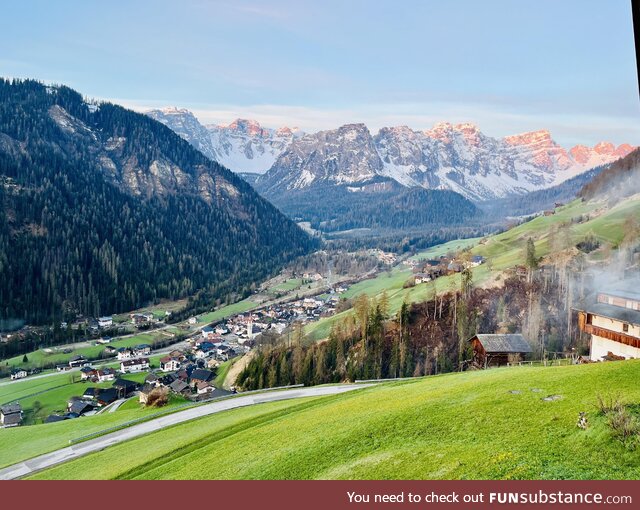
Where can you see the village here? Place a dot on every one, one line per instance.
(188, 371)
(186, 366)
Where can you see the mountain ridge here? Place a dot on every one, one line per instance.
(458, 157)
(103, 210)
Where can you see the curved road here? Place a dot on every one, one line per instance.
(47, 460)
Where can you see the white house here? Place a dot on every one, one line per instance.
(18, 373)
(613, 322)
(10, 415)
(125, 353)
(134, 365)
(169, 363)
(106, 374)
(192, 320)
(422, 278)
(207, 332)
(105, 322)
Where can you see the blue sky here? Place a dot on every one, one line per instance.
(507, 65)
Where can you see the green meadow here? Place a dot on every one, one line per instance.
(493, 424)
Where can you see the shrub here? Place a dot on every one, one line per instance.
(158, 397)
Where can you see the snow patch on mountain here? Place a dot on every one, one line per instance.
(457, 157)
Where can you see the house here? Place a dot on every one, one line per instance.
(88, 373)
(166, 380)
(145, 391)
(105, 322)
(498, 350)
(91, 393)
(63, 368)
(125, 353)
(613, 321)
(152, 379)
(11, 415)
(140, 319)
(169, 363)
(52, 418)
(207, 332)
(106, 374)
(78, 361)
(422, 278)
(179, 387)
(124, 387)
(191, 321)
(203, 387)
(201, 374)
(79, 406)
(134, 365)
(204, 350)
(142, 350)
(455, 267)
(18, 373)
(105, 397)
(109, 349)
(476, 260)
(221, 330)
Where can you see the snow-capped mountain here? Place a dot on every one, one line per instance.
(343, 156)
(455, 157)
(242, 146)
(245, 146)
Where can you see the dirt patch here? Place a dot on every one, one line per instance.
(235, 370)
(552, 398)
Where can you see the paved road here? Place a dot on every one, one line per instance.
(27, 467)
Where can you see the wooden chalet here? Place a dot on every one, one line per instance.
(498, 350)
(612, 319)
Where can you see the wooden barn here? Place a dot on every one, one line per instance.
(498, 350)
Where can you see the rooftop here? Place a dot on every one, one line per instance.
(504, 343)
(612, 312)
(11, 408)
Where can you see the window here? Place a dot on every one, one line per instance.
(625, 328)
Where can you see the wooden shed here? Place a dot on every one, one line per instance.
(498, 350)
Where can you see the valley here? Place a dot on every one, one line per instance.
(383, 279)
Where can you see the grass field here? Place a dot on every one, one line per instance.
(93, 352)
(287, 286)
(21, 443)
(239, 307)
(51, 392)
(482, 425)
(20, 389)
(443, 249)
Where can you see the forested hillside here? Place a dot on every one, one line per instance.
(103, 209)
(336, 208)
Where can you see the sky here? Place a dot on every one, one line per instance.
(507, 66)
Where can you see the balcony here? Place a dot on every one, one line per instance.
(611, 335)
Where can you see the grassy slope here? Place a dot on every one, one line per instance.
(21, 443)
(503, 251)
(454, 426)
(37, 358)
(20, 389)
(226, 311)
(223, 370)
